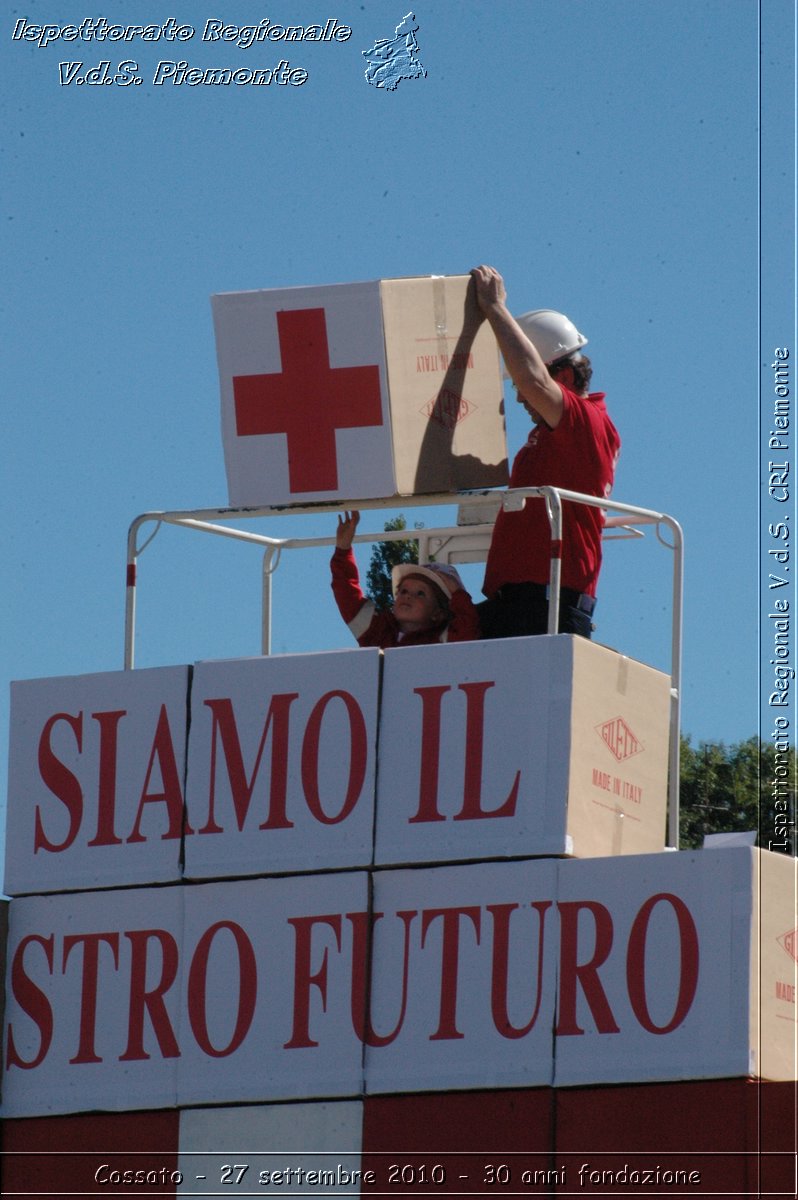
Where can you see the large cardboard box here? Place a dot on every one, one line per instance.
(520, 747)
(358, 390)
(282, 764)
(96, 775)
(173, 996)
(692, 971)
(495, 975)
(463, 977)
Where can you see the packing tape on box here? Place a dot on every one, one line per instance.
(439, 309)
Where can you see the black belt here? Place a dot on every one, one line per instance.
(540, 591)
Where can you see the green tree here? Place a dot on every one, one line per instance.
(747, 786)
(385, 556)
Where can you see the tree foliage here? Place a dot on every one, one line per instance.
(385, 556)
(747, 786)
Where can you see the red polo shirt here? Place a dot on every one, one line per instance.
(579, 454)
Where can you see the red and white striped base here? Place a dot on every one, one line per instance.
(729, 1137)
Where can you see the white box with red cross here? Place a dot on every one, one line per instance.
(358, 391)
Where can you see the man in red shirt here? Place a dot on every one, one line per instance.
(573, 445)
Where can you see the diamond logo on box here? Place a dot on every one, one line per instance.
(447, 409)
(789, 943)
(619, 738)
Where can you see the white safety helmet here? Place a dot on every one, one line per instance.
(551, 333)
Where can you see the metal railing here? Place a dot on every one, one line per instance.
(465, 542)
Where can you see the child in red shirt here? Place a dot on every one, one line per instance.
(430, 603)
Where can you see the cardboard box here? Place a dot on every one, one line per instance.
(463, 978)
(525, 746)
(96, 774)
(92, 985)
(174, 996)
(533, 973)
(282, 764)
(359, 390)
(772, 935)
(692, 973)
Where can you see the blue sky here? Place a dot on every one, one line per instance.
(603, 155)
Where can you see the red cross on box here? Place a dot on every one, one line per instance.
(308, 401)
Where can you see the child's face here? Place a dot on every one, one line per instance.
(416, 605)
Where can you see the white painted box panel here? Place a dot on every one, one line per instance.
(155, 997)
(269, 990)
(96, 776)
(282, 763)
(520, 747)
(687, 970)
(463, 978)
(92, 987)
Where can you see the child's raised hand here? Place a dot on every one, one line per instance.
(347, 524)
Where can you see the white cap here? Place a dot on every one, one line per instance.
(431, 571)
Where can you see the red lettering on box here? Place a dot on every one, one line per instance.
(499, 975)
(585, 974)
(305, 978)
(509, 944)
(61, 782)
(472, 810)
(32, 1000)
(88, 991)
(688, 963)
(247, 989)
(172, 794)
(619, 738)
(150, 1000)
(358, 757)
(224, 732)
(450, 954)
(360, 1007)
(66, 787)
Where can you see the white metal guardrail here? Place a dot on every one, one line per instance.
(467, 541)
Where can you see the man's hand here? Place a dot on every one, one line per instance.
(489, 286)
(537, 391)
(347, 524)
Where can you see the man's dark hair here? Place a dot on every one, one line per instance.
(580, 365)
